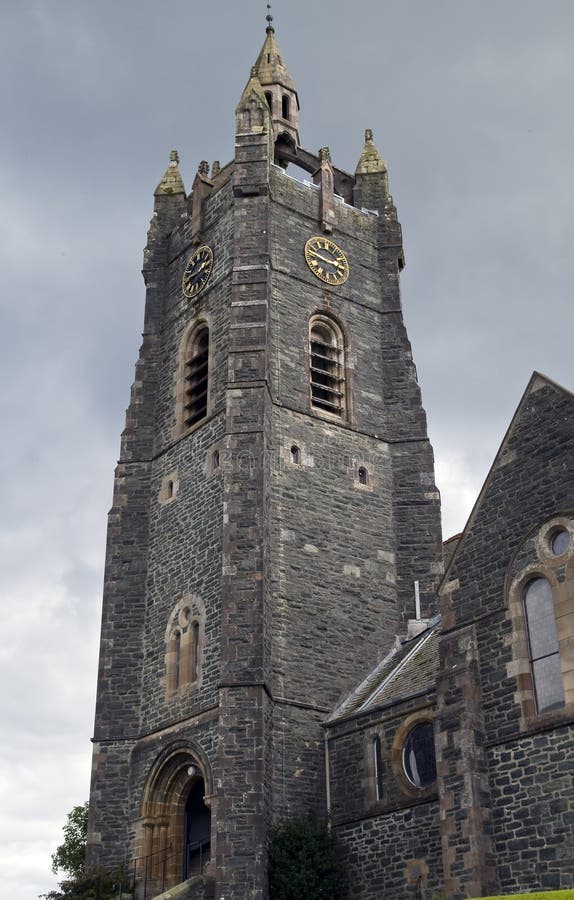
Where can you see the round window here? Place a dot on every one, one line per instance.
(560, 542)
(419, 760)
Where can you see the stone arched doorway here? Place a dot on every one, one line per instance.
(175, 826)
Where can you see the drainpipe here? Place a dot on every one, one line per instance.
(327, 783)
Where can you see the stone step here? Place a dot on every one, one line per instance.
(197, 888)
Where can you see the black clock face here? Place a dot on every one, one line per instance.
(197, 271)
(326, 260)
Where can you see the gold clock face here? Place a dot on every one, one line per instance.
(326, 260)
(197, 271)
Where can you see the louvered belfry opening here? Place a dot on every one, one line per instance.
(327, 369)
(197, 378)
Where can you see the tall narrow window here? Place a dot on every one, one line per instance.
(197, 377)
(378, 767)
(269, 98)
(286, 107)
(195, 651)
(543, 644)
(327, 367)
(176, 660)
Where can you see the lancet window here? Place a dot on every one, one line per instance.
(196, 377)
(541, 582)
(184, 647)
(327, 367)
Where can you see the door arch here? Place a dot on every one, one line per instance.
(175, 834)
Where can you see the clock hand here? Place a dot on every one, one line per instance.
(330, 262)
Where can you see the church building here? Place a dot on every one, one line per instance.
(283, 631)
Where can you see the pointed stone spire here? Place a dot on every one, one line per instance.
(278, 87)
(252, 113)
(172, 182)
(371, 192)
(371, 162)
(270, 67)
(169, 210)
(252, 89)
(371, 177)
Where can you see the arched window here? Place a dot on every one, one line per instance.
(184, 643)
(295, 455)
(540, 585)
(286, 107)
(543, 645)
(196, 377)
(269, 98)
(363, 475)
(419, 761)
(378, 767)
(327, 365)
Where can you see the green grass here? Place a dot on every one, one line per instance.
(541, 895)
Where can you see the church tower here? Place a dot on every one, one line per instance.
(274, 503)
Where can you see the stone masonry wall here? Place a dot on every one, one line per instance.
(184, 561)
(337, 544)
(532, 784)
(391, 845)
(393, 856)
(211, 305)
(159, 552)
(529, 777)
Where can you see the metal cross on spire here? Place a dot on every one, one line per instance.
(269, 18)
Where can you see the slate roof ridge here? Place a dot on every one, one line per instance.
(347, 703)
(364, 692)
(394, 673)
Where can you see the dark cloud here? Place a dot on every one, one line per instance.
(470, 104)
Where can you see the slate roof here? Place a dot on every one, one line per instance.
(411, 667)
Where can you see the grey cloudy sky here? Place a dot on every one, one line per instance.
(471, 104)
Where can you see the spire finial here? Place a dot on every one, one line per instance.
(269, 18)
(371, 162)
(171, 182)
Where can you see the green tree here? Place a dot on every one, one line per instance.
(304, 862)
(82, 883)
(70, 856)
